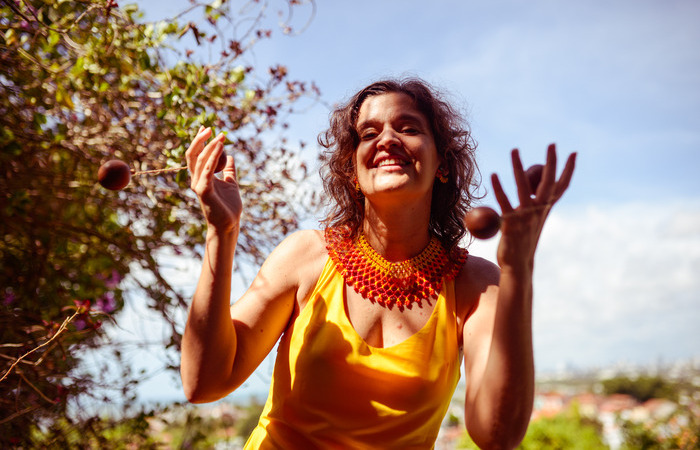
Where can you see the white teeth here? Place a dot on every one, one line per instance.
(390, 162)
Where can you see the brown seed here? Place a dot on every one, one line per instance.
(221, 163)
(114, 174)
(482, 222)
(534, 176)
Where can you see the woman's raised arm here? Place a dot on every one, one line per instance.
(499, 360)
(222, 344)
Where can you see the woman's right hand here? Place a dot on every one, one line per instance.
(220, 197)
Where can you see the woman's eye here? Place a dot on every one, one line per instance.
(410, 130)
(367, 135)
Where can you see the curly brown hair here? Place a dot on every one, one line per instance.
(454, 144)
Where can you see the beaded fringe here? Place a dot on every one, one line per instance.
(387, 283)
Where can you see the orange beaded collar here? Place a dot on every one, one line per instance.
(402, 283)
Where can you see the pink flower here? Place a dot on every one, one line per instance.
(113, 281)
(106, 303)
(80, 324)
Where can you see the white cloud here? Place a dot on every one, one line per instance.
(618, 282)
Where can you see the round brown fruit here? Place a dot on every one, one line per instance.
(221, 163)
(114, 174)
(534, 176)
(482, 222)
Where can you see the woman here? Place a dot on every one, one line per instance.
(375, 312)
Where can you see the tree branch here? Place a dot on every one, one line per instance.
(58, 332)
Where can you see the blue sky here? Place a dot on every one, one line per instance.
(618, 82)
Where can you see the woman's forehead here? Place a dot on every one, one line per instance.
(389, 106)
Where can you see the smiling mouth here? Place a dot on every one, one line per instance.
(391, 162)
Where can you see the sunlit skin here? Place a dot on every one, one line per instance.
(396, 162)
(396, 154)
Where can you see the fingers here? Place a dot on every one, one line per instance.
(202, 161)
(520, 179)
(565, 179)
(208, 158)
(229, 174)
(501, 196)
(196, 146)
(549, 189)
(549, 173)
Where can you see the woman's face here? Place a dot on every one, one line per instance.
(397, 152)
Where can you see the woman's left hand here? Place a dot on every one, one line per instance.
(521, 226)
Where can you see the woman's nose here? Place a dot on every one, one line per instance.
(388, 139)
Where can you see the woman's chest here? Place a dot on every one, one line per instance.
(384, 326)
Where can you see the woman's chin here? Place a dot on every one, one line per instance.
(396, 188)
(390, 185)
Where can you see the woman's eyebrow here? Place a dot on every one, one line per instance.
(366, 123)
(404, 117)
(411, 117)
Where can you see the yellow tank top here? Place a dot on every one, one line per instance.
(330, 390)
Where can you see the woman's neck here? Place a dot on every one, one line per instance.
(397, 233)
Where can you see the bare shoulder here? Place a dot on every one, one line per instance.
(302, 254)
(304, 247)
(475, 278)
(478, 271)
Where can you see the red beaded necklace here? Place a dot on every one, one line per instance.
(402, 283)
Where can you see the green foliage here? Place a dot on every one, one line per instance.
(638, 436)
(82, 82)
(642, 388)
(196, 432)
(563, 431)
(250, 419)
(679, 431)
(567, 431)
(126, 433)
(452, 420)
(187, 426)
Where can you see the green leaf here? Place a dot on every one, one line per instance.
(130, 8)
(238, 74)
(64, 98)
(39, 119)
(145, 61)
(148, 30)
(181, 176)
(178, 152)
(78, 68)
(10, 37)
(54, 38)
